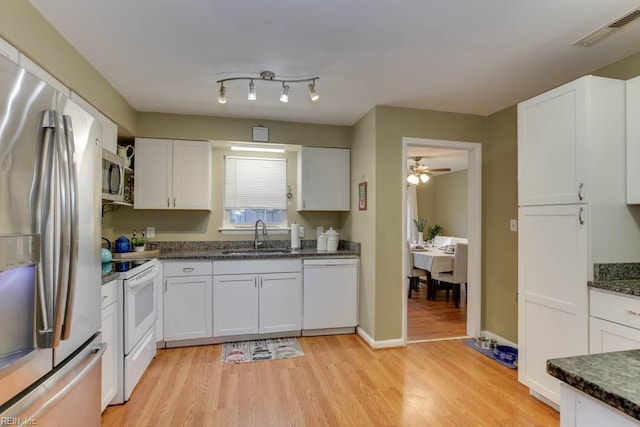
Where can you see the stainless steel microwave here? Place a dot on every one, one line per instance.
(112, 176)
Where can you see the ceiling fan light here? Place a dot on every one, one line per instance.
(252, 91)
(312, 92)
(413, 179)
(284, 96)
(222, 94)
(424, 177)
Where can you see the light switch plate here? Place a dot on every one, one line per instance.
(513, 225)
(301, 232)
(151, 232)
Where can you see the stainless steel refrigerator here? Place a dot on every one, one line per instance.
(50, 345)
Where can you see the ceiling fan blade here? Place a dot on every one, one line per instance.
(440, 170)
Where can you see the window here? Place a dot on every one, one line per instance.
(255, 188)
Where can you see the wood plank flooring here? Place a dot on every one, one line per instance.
(428, 320)
(340, 381)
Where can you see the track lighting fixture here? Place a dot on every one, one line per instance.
(252, 91)
(284, 96)
(312, 91)
(269, 76)
(222, 94)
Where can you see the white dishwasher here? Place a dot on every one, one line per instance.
(330, 295)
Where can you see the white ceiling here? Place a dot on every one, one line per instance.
(436, 158)
(464, 56)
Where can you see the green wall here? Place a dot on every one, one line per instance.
(443, 200)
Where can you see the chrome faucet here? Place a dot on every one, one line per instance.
(256, 245)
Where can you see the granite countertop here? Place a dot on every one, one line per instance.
(612, 378)
(215, 250)
(623, 278)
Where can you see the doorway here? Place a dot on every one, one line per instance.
(474, 234)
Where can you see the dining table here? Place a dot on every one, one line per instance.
(432, 260)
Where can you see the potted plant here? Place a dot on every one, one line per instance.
(420, 223)
(138, 243)
(432, 232)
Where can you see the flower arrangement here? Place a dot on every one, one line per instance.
(420, 223)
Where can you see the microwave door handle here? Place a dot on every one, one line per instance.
(72, 217)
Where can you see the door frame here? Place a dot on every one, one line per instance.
(474, 227)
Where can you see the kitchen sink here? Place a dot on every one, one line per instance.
(271, 251)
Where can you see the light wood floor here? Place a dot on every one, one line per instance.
(428, 320)
(339, 382)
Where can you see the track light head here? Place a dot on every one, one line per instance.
(312, 91)
(222, 94)
(284, 96)
(252, 91)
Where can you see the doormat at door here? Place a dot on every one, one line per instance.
(253, 351)
(489, 353)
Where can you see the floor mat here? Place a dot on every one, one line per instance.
(488, 353)
(253, 351)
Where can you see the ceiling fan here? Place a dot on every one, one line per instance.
(418, 172)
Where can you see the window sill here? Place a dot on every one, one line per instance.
(251, 230)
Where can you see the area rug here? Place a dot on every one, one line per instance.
(253, 351)
(489, 353)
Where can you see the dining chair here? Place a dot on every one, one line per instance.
(413, 274)
(453, 280)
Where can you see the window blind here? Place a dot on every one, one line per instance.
(255, 183)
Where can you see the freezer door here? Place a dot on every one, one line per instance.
(70, 397)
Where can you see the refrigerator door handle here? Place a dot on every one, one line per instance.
(40, 199)
(62, 228)
(72, 215)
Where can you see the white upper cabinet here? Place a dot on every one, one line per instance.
(109, 133)
(633, 141)
(39, 72)
(9, 51)
(172, 174)
(324, 179)
(556, 133)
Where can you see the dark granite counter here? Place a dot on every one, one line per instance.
(108, 277)
(613, 378)
(623, 278)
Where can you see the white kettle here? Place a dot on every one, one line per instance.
(332, 240)
(124, 153)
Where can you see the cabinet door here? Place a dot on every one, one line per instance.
(109, 133)
(633, 140)
(608, 336)
(280, 302)
(188, 308)
(552, 291)
(154, 165)
(552, 146)
(109, 331)
(324, 179)
(191, 175)
(235, 304)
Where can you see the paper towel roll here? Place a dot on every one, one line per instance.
(295, 236)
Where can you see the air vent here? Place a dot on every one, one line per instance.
(601, 33)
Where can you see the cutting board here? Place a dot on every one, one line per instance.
(153, 253)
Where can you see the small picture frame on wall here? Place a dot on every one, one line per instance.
(260, 134)
(362, 196)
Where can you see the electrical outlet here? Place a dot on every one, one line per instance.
(151, 232)
(300, 231)
(513, 225)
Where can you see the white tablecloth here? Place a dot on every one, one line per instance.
(433, 260)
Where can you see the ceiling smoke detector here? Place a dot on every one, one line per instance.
(601, 33)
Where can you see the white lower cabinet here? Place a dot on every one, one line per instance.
(109, 331)
(581, 410)
(614, 323)
(266, 300)
(188, 300)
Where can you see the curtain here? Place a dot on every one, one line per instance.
(412, 212)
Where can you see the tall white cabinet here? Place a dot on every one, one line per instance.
(572, 213)
(172, 174)
(324, 177)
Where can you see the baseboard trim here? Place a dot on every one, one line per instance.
(379, 344)
(501, 340)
